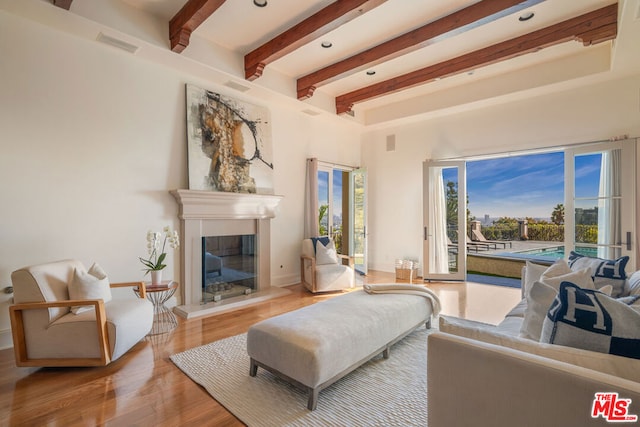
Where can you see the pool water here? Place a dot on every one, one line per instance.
(558, 252)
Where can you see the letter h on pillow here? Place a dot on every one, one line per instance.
(591, 320)
(604, 271)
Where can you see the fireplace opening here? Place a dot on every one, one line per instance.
(228, 266)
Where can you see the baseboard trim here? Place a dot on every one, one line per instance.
(285, 280)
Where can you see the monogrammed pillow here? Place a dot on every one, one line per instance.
(604, 271)
(591, 320)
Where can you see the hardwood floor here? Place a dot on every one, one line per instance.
(144, 388)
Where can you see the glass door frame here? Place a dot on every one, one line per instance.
(353, 211)
(347, 205)
(626, 197)
(428, 234)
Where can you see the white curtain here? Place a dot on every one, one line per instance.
(609, 218)
(438, 248)
(311, 227)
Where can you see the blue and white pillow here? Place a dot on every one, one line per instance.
(603, 271)
(591, 320)
(324, 240)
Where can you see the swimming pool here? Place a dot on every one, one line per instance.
(557, 252)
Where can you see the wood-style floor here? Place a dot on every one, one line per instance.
(144, 388)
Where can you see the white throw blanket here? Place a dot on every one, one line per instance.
(394, 288)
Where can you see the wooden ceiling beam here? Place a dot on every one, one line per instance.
(448, 26)
(64, 4)
(318, 24)
(591, 28)
(192, 14)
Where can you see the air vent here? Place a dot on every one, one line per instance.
(311, 112)
(120, 44)
(391, 143)
(237, 86)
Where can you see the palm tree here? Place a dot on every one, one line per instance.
(323, 223)
(557, 216)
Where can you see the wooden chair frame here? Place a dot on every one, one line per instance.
(19, 340)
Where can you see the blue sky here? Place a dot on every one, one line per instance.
(515, 186)
(323, 190)
(525, 186)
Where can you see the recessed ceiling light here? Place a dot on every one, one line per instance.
(260, 3)
(326, 44)
(526, 16)
(370, 73)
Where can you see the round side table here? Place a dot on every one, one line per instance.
(163, 320)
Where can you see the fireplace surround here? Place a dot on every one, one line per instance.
(212, 213)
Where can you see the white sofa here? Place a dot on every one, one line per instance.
(487, 375)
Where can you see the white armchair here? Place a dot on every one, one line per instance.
(47, 333)
(325, 271)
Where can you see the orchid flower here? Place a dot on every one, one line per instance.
(157, 254)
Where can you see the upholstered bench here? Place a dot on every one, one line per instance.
(314, 346)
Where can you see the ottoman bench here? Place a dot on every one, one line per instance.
(314, 346)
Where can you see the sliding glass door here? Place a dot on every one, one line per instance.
(600, 202)
(597, 218)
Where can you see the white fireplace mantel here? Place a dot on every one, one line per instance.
(204, 213)
(197, 204)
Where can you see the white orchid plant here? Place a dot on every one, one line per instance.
(157, 254)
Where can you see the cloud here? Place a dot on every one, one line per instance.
(528, 185)
(519, 186)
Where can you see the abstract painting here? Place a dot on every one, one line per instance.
(229, 144)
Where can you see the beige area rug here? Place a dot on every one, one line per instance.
(391, 392)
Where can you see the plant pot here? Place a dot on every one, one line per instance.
(156, 277)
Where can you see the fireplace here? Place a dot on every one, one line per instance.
(234, 229)
(228, 266)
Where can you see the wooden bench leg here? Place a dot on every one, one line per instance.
(253, 368)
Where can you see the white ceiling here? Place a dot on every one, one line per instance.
(238, 27)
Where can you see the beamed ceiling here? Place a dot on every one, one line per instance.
(395, 54)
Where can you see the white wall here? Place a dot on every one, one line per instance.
(297, 137)
(597, 112)
(91, 141)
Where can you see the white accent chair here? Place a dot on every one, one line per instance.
(320, 277)
(46, 332)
